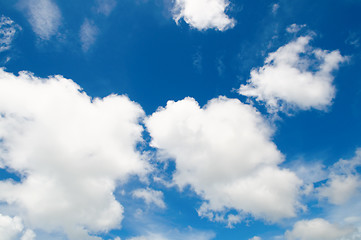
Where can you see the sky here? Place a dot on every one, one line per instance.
(180, 119)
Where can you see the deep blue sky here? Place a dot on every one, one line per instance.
(141, 52)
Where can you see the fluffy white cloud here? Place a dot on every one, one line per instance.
(44, 17)
(225, 153)
(10, 228)
(294, 28)
(88, 33)
(203, 14)
(8, 30)
(150, 196)
(71, 151)
(344, 181)
(317, 229)
(295, 76)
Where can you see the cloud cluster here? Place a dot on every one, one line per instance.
(71, 152)
(203, 14)
(296, 76)
(44, 17)
(317, 229)
(225, 153)
(8, 30)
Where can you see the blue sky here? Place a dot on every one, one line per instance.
(180, 119)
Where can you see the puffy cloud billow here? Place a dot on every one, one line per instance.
(296, 76)
(204, 14)
(70, 151)
(225, 153)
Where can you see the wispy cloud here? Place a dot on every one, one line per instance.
(44, 17)
(88, 34)
(8, 30)
(105, 6)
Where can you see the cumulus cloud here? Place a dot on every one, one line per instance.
(88, 33)
(44, 17)
(224, 152)
(317, 229)
(296, 76)
(150, 196)
(70, 150)
(343, 182)
(12, 227)
(8, 30)
(204, 14)
(255, 238)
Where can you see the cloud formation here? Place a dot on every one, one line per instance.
(44, 17)
(296, 76)
(105, 7)
(224, 152)
(150, 196)
(343, 182)
(11, 228)
(88, 34)
(70, 150)
(8, 30)
(203, 14)
(317, 229)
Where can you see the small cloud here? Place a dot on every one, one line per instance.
(275, 8)
(353, 39)
(204, 14)
(8, 31)
(296, 76)
(318, 228)
(294, 28)
(44, 17)
(105, 7)
(150, 196)
(88, 33)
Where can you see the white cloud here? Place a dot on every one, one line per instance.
(88, 33)
(296, 76)
(317, 229)
(28, 235)
(71, 152)
(294, 28)
(10, 227)
(44, 17)
(339, 189)
(344, 181)
(105, 6)
(225, 153)
(8, 30)
(203, 14)
(150, 196)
